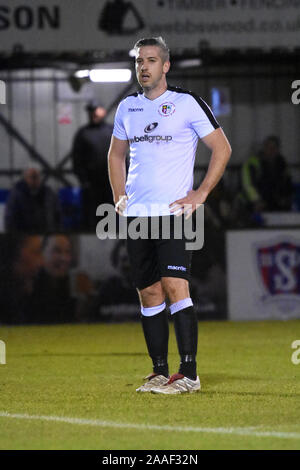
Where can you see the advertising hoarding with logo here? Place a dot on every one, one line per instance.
(263, 274)
(73, 25)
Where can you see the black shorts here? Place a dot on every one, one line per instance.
(151, 259)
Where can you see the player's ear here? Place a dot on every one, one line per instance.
(166, 66)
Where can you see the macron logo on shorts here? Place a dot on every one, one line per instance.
(177, 268)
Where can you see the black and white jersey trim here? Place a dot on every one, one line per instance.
(201, 103)
(199, 100)
(135, 94)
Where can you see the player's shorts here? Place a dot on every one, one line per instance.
(151, 259)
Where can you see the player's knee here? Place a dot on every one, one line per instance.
(176, 288)
(152, 295)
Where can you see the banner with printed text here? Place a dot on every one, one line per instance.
(110, 25)
(263, 274)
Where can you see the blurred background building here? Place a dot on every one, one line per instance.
(242, 57)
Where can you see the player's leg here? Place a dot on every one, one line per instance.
(155, 326)
(143, 260)
(185, 323)
(174, 265)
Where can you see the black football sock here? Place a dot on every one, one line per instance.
(186, 329)
(156, 332)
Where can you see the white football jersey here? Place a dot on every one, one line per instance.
(163, 135)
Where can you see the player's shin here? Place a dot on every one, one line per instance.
(186, 330)
(156, 332)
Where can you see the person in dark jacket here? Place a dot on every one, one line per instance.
(20, 261)
(124, 305)
(89, 154)
(52, 301)
(32, 206)
(266, 182)
(60, 296)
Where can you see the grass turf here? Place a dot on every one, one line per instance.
(92, 371)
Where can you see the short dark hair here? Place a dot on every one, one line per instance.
(274, 139)
(93, 104)
(159, 42)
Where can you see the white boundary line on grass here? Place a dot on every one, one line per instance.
(250, 431)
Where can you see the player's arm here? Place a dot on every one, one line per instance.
(217, 142)
(117, 171)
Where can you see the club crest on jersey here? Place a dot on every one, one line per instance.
(166, 109)
(279, 272)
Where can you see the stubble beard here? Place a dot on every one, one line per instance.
(151, 87)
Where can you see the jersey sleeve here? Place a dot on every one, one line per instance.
(201, 117)
(119, 129)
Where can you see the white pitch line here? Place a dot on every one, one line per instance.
(111, 424)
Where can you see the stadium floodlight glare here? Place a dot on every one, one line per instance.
(110, 75)
(132, 53)
(82, 74)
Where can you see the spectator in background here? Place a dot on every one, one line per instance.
(60, 296)
(32, 206)
(89, 154)
(266, 183)
(124, 304)
(20, 260)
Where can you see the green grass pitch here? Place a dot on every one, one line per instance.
(250, 397)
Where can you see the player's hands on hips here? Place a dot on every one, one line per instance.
(188, 204)
(121, 204)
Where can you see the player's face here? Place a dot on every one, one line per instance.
(150, 68)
